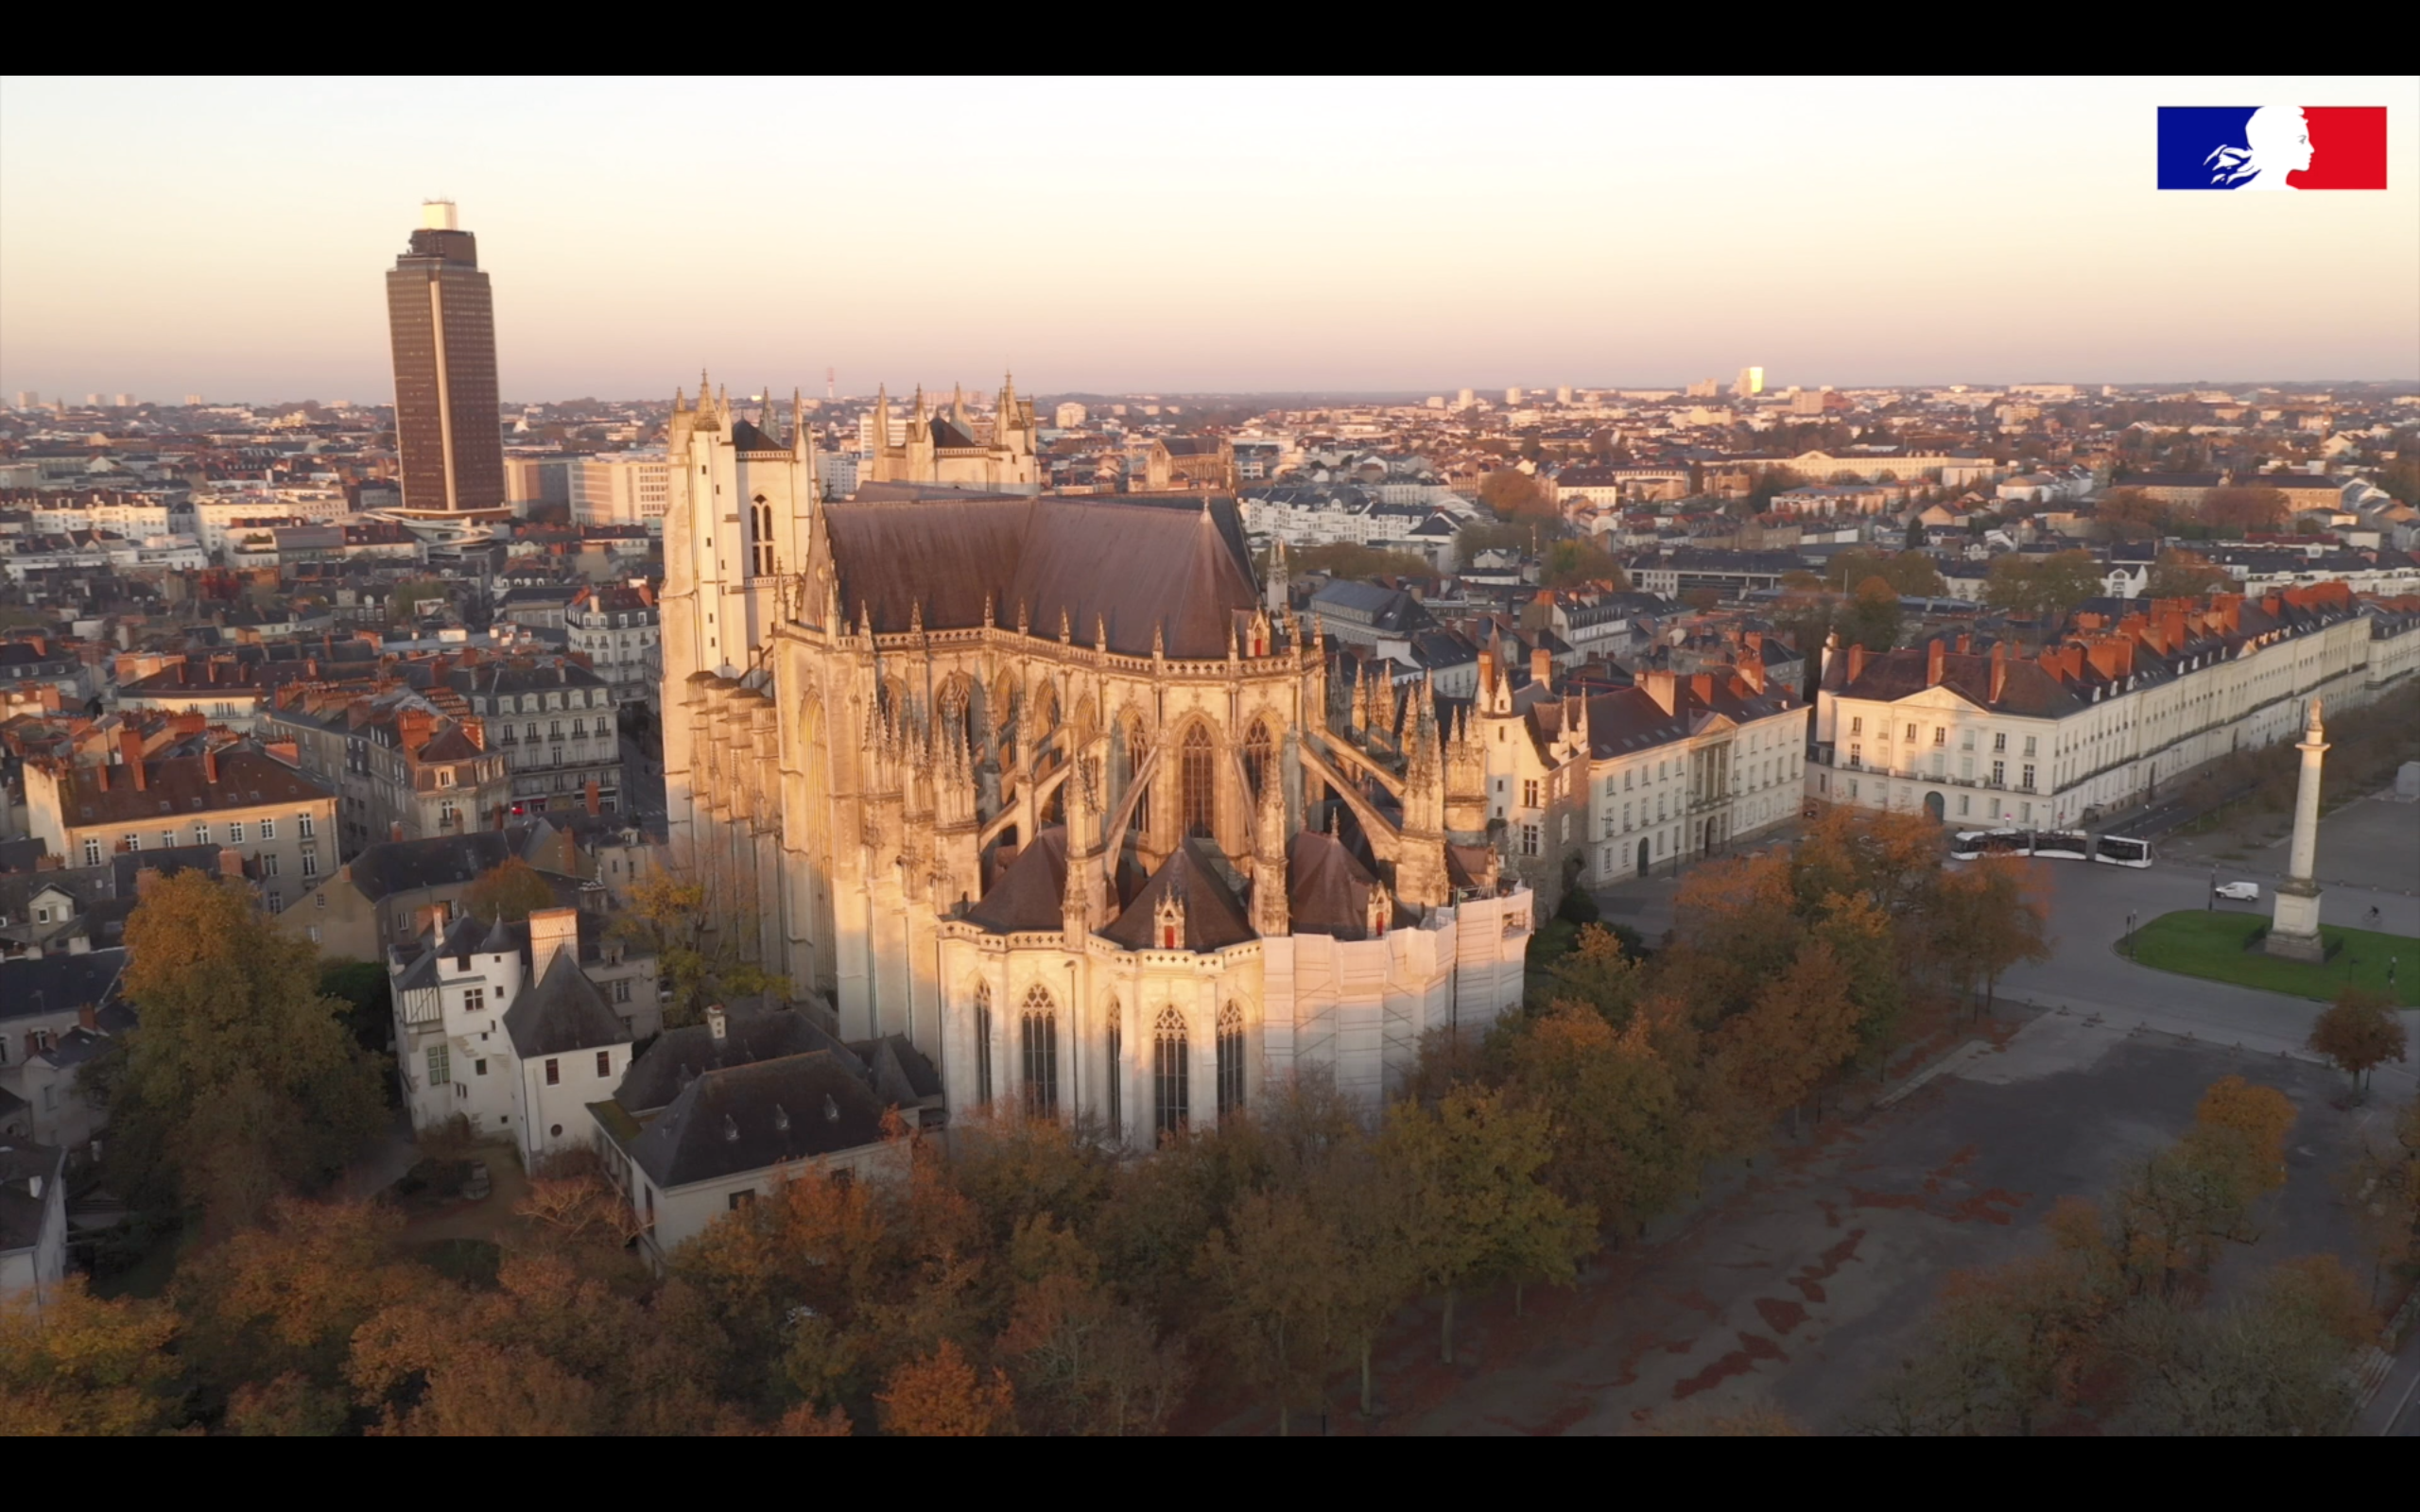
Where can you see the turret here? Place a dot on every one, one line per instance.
(1270, 914)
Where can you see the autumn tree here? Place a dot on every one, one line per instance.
(1081, 1358)
(1474, 1207)
(2132, 514)
(701, 950)
(2246, 508)
(84, 1366)
(2361, 1031)
(1873, 618)
(1570, 563)
(941, 1396)
(1800, 1029)
(241, 1079)
(510, 890)
(1988, 918)
(270, 1313)
(2044, 588)
(1345, 559)
(1624, 1145)
(1511, 494)
(1277, 1269)
(2180, 574)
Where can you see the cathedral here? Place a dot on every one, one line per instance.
(1051, 786)
(951, 449)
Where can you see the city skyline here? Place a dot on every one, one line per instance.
(1596, 234)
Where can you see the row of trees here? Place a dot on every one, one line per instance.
(1027, 1280)
(2108, 1329)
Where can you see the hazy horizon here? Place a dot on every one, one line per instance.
(1271, 238)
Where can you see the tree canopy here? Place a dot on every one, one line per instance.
(240, 1079)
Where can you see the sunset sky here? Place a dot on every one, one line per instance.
(227, 238)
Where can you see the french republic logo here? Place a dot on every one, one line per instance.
(2272, 146)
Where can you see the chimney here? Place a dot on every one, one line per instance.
(552, 929)
(1751, 672)
(1703, 685)
(596, 805)
(1856, 663)
(1936, 654)
(1541, 666)
(88, 1018)
(715, 1023)
(231, 863)
(1663, 687)
(1966, 644)
(395, 830)
(101, 776)
(130, 746)
(210, 765)
(475, 730)
(1999, 669)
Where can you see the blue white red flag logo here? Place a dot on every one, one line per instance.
(2272, 146)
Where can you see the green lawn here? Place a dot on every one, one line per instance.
(2197, 942)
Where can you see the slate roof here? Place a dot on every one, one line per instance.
(1327, 891)
(680, 1055)
(392, 867)
(747, 436)
(747, 1118)
(1214, 916)
(1031, 893)
(2030, 691)
(1131, 564)
(44, 985)
(563, 1013)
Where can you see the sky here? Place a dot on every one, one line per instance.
(228, 237)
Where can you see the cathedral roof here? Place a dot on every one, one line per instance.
(1327, 891)
(746, 437)
(1214, 916)
(1133, 567)
(1030, 894)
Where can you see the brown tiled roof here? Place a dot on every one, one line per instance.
(1129, 565)
(175, 785)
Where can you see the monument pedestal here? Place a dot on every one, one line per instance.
(2294, 930)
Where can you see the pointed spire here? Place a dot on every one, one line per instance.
(1100, 634)
(916, 616)
(1159, 639)
(1066, 627)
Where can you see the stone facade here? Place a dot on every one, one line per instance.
(1039, 784)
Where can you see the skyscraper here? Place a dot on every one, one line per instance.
(443, 326)
(1751, 383)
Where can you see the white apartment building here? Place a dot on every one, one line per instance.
(2104, 722)
(620, 489)
(216, 516)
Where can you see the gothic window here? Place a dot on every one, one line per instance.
(1258, 748)
(1197, 791)
(761, 522)
(1171, 1069)
(1230, 1061)
(1039, 1038)
(983, 1042)
(1116, 1068)
(1138, 745)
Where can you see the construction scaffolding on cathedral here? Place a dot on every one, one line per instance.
(1049, 787)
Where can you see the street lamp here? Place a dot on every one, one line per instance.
(2129, 934)
(2212, 904)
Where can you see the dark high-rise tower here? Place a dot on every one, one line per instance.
(447, 424)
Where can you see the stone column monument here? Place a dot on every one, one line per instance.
(2293, 931)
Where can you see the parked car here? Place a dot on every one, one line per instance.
(2239, 892)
